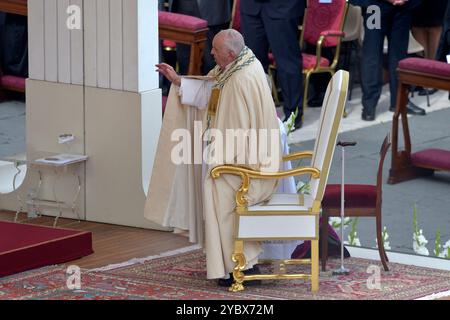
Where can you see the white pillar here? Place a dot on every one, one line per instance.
(98, 83)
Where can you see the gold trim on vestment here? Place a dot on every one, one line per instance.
(213, 102)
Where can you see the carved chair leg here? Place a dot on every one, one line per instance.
(239, 259)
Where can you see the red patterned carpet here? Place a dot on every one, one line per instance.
(182, 277)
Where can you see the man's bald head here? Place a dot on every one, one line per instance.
(233, 40)
(227, 45)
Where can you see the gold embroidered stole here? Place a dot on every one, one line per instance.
(245, 58)
(213, 102)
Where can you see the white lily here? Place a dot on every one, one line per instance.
(419, 244)
(336, 222)
(446, 251)
(289, 124)
(419, 240)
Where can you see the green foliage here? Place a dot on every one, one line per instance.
(290, 123)
(437, 243)
(303, 188)
(352, 237)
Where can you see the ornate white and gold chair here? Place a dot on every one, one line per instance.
(289, 216)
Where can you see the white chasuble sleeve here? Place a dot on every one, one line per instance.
(195, 92)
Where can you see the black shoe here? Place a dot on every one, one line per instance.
(423, 91)
(411, 108)
(316, 101)
(368, 115)
(415, 88)
(228, 282)
(298, 123)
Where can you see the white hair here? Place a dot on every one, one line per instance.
(233, 40)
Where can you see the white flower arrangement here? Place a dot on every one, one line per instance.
(336, 222)
(353, 242)
(352, 237)
(439, 250)
(303, 188)
(289, 124)
(419, 244)
(419, 240)
(446, 252)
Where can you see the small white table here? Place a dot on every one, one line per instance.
(59, 169)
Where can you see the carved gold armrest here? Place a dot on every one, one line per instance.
(323, 36)
(246, 174)
(298, 155)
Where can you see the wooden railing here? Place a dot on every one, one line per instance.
(14, 6)
(194, 36)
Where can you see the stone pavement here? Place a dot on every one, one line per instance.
(12, 128)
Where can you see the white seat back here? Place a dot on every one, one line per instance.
(330, 119)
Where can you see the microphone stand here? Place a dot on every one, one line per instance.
(342, 270)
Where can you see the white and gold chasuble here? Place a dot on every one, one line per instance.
(178, 195)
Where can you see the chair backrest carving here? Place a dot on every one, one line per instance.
(383, 152)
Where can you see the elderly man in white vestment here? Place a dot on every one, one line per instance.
(182, 194)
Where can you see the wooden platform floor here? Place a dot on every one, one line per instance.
(113, 244)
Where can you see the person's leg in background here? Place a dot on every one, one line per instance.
(421, 35)
(255, 37)
(283, 39)
(433, 40)
(371, 64)
(190, 8)
(429, 38)
(444, 43)
(398, 38)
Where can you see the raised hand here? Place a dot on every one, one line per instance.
(168, 72)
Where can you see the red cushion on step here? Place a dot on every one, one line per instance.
(432, 158)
